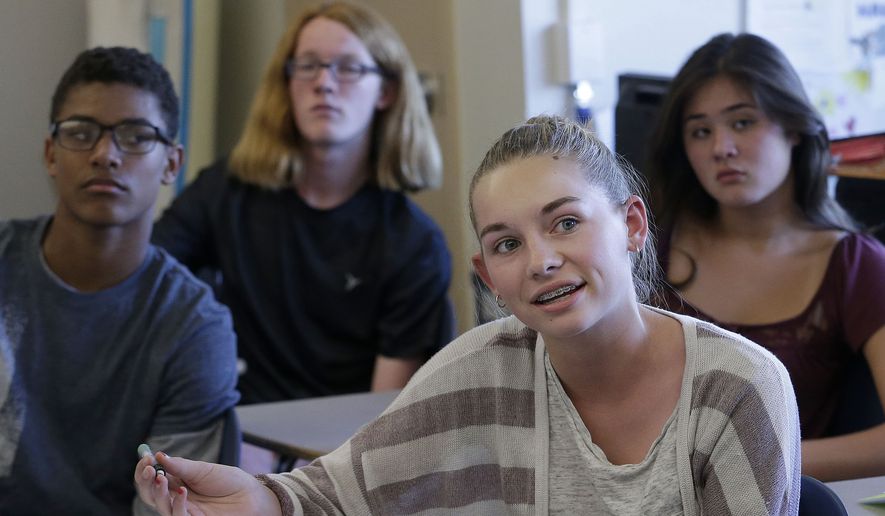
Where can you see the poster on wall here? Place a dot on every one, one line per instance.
(838, 48)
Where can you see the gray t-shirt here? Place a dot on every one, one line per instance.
(86, 377)
(583, 481)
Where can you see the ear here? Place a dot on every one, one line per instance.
(174, 160)
(636, 219)
(479, 265)
(387, 97)
(49, 156)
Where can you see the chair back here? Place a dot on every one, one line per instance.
(231, 439)
(817, 499)
(858, 406)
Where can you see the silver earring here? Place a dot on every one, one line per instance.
(500, 302)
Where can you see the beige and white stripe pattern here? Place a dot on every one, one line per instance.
(469, 435)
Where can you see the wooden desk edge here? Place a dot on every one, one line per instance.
(865, 171)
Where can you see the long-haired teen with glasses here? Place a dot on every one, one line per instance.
(337, 282)
(101, 332)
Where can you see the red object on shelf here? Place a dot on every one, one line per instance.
(863, 149)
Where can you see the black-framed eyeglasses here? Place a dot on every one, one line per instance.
(344, 70)
(130, 137)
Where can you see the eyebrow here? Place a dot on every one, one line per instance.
(135, 120)
(553, 205)
(729, 109)
(545, 210)
(310, 54)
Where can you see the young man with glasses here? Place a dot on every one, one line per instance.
(336, 280)
(105, 340)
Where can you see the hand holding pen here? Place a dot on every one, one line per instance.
(145, 451)
(188, 487)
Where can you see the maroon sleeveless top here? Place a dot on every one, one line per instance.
(818, 344)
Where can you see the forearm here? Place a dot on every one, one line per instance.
(393, 373)
(856, 455)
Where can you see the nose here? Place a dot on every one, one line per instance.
(544, 258)
(324, 81)
(106, 153)
(724, 146)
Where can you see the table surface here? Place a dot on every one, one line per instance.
(309, 428)
(850, 491)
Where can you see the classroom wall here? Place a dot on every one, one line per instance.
(492, 59)
(37, 41)
(649, 37)
(248, 33)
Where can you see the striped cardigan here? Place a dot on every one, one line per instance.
(469, 434)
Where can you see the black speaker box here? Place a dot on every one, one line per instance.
(639, 99)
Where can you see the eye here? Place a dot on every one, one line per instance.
(506, 245)
(135, 134)
(307, 66)
(743, 123)
(698, 133)
(350, 67)
(567, 224)
(80, 134)
(79, 131)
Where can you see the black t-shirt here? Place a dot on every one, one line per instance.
(316, 295)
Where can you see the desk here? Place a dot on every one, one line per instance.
(312, 427)
(850, 491)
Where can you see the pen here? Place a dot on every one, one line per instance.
(145, 450)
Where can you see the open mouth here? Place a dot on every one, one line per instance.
(556, 294)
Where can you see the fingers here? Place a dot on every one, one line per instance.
(179, 502)
(159, 493)
(144, 476)
(153, 489)
(179, 467)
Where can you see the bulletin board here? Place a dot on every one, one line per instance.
(838, 49)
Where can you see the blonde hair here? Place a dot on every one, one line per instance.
(405, 154)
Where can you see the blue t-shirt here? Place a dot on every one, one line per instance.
(86, 377)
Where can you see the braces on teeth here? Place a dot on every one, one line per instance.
(556, 293)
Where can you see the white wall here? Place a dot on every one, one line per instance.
(646, 36)
(38, 39)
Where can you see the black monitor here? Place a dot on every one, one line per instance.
(639, 99)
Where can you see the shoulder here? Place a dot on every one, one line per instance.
(405, 215)
(719, 353)
(857, 248)
(13, 231)
(495, 353)
(413, 233)
(181, 292)
(216, 176)
(213, 183)
(857, 265)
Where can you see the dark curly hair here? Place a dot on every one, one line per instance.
(125, 66)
